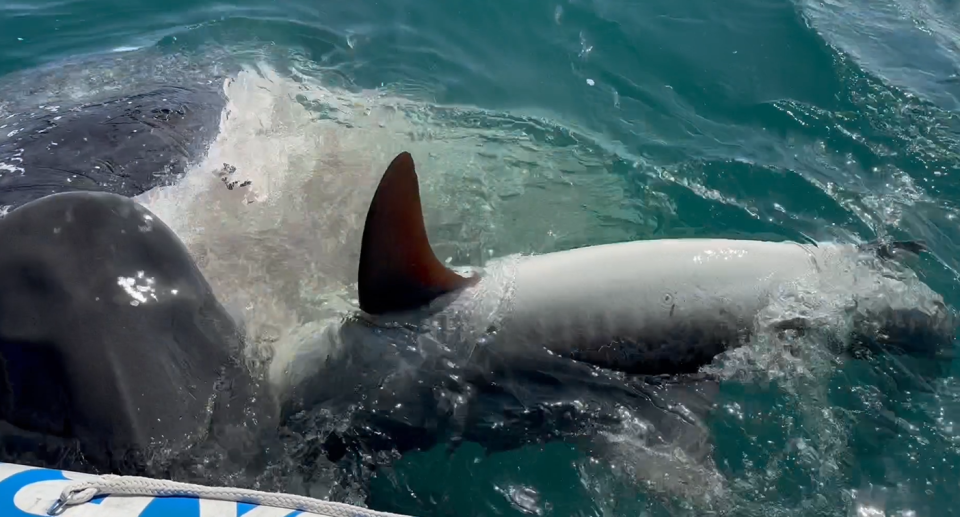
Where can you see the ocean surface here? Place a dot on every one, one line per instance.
(542, 125)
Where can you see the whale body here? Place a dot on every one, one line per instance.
(125, 145)
(112, 344)
(114, 352)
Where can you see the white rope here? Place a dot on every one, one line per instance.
(83, 491)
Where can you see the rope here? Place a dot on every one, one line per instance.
(83, 491)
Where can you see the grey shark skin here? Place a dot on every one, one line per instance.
(126, 145)
(597, 323)
(112, 344)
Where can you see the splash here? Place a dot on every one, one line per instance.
(274, 213)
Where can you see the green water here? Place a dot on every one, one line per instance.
(779, 120)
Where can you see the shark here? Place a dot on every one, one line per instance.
(532, 348)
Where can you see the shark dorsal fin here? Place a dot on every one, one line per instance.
(398, 270)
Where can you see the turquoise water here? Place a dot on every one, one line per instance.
(604, 121)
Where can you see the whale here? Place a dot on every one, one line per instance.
(115, 354)
(127, 145)
(113, 347)
(532, 348)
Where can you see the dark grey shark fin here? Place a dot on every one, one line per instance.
(398, 269)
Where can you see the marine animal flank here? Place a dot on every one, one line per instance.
(664, 306)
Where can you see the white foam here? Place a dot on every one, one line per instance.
(7, 167)
(285, 247)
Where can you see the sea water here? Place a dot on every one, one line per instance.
(547, 125)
